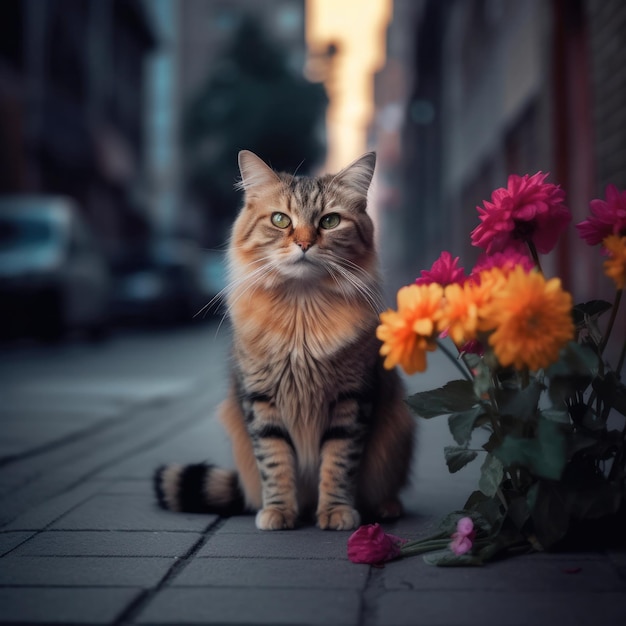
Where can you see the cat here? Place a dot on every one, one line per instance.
(317, 425)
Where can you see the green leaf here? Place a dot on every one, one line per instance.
(575, 360)
(518, 511)
(595, 498)
(462, 424)
(458, 458)
(487, 509)
(457, 395)
(491, 474)
(520, 403)
(549, 512)
(611, 391)
(544, 455)
(591, 310)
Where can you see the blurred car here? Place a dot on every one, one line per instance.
(52, 277)
(162, 288)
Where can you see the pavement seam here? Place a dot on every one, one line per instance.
(195, 415)
(374, 588)
(128, 615)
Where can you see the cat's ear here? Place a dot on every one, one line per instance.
(358, 175)
(254, 171)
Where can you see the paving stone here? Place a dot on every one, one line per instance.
(288, 544)
(83, 571)
(63, 605)
(128, 486)
(516, 574)
(9, 540)
(42, 515)
(108, 543)
(445, 607)
(245, 524)
(129, 512)
(253, 606)
(310, 574)
(242, 524)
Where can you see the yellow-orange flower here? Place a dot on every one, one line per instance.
(408, 333)
(459, 315)
(532, 320)
(466, 305)
(615, 265)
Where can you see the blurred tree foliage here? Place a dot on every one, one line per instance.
(252, 100)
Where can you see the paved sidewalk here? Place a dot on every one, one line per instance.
(83, 542)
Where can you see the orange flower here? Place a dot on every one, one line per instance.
(615, 265)
(408, 333)
(459, 315)
(488, 283)
(532, 320)
(466, 307)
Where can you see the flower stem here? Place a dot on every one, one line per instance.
(535, 256)
(425, 545)
(454, 360)
(605, 340)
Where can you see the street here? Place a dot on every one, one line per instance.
(60, 395)
(82, 541)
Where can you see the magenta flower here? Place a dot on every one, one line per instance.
(505, 260)
(609, 217)
(463, 538)
(528, 211)
(370, 544)
(444, 271)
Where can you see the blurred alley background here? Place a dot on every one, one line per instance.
(120, 123)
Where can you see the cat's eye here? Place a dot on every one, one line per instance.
(280, 220)
(330, 221)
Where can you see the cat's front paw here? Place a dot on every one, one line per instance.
(273, 519)
(338, 518)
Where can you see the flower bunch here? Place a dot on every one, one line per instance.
(535, 383)
(457, 535)
(510, 309)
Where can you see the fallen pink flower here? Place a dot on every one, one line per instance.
(463, 538)
(370, 544)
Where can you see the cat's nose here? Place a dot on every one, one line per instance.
(304, 245)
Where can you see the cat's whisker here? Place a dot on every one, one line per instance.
(220, 296)
(333, 274)
(358, 271)
(254, 278)
(361, 287)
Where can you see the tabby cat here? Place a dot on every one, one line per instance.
(317, 425)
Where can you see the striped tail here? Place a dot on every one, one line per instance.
(199, 488)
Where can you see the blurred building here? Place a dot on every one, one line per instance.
(207, 29)
(72, 107)
(492, 88)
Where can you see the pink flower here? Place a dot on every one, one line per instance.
(444, 271)
(463, 538)
(370, 544)
(609, 217)
(529, 210)
(505, 260)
